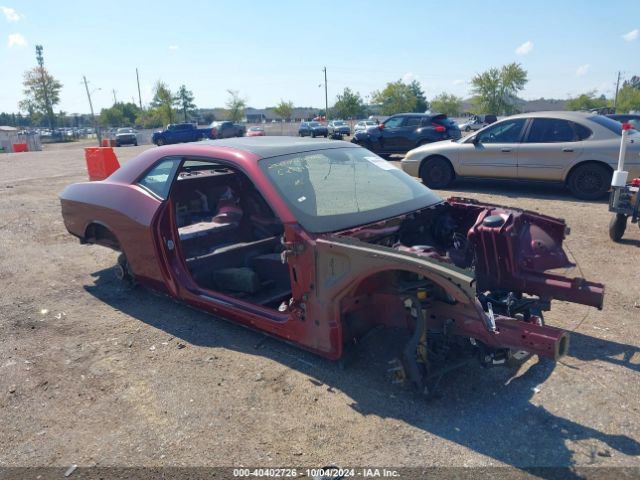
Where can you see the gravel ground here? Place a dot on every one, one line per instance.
(92, 373)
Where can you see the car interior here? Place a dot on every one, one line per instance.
(230, 237)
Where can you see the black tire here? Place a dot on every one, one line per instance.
(160, 142)
(437, 173)
(589, 181)
(313, 135)
(325, 136)
(117, 145)
(135, 144)
(467, 129)
(617, 226)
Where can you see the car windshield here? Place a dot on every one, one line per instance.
(256, 129)
(339, 122)
(608, 123)
(314, 124)
(338, 188)
(125, 130)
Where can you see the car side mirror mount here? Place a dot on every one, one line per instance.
(476, 140)
(381, 126)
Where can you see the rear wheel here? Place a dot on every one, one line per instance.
(313, 135)
(123, 270)
(160, 142)
(589, 181)
(437, 173)
(617, 226)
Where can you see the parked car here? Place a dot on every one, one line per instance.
(256, 132)
(339, 127)
(476, 122)
(403, 132)
(312, 129)
(634, 120)
(362, 125)
(126, 136)
(227, 129)
(180, 133)
(319, 242)
(577, 149)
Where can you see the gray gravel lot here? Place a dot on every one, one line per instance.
(92, 373)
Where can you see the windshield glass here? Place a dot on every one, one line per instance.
(125, 130)
(335, 189)
(314, 124)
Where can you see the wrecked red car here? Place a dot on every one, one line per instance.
(318, 242)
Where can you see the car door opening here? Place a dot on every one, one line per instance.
(229, 236)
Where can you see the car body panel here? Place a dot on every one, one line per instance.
(339, 279)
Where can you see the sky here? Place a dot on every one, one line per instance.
(276, 50)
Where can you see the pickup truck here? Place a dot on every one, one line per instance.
(227, 129)
(182, 132)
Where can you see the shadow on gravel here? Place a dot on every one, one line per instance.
(516, 189)
(487, 410)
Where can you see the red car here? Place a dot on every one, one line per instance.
(318, 242)
(255, 132)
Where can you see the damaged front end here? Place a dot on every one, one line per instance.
(459, 276)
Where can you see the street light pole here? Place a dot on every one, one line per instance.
(93, 116)
(326, 97)
(45, 88)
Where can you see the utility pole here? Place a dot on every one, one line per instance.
(115, 100)
(615, 100)
(93, 116)
(139, 96)
(43, 81)
(326, 97)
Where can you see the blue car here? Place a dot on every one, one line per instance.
(313, 129)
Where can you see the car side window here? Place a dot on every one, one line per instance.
(550, 130)
(412, 122)
(582, 132)
(504, 132)
(394, 122)
(158, 179)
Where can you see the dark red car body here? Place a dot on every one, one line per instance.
(346, 282)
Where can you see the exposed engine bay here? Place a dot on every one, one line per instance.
(506, 254)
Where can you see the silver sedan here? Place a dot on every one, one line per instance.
(576, 148)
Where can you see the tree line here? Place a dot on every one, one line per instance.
(493, 91)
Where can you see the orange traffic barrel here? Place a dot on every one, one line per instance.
(105, 142)
(20, 147)
(101, 162)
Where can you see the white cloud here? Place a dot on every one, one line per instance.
(459, 82)
(583, 70)
(16, 40)
(631, 36)
(408, 77)
(173, 47)
(525, 48)
(11, 14)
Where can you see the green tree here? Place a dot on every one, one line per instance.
(184, 101)
(348, 104)
(496, 89)
(284, 110)
(40, 86)
(446, 103)
(396, 97)
(587, 101)
(236, 105)
(421, 101)
(162, 103)
(629, 96)
(119, 115)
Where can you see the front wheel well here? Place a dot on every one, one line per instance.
(433, 157)
(101, 235)
(586, 162)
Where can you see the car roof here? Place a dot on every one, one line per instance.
(274, 146)
(566, 115)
